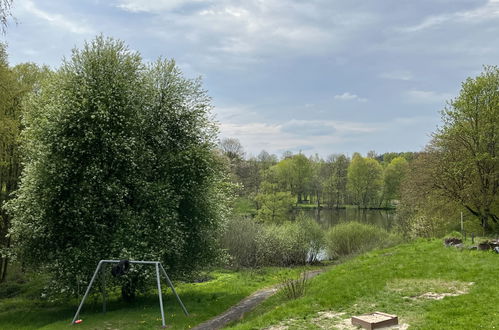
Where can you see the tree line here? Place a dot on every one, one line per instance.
(274, 186)
(458, 171)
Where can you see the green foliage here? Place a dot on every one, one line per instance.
(422, 209)
(364, 180)
(293, 174)
(120, 164)
(252, 244)
(275, 206)
(427, 226)
(455, 234)
(393, 175)
(15, 84)
(282, 245)
(335, 186)
(354, 237)
(244, 206)
(459, 170)
(466, 148)
(240, 241)
(313, 236)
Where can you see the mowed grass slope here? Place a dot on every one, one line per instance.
(403, 280)
(203, 301)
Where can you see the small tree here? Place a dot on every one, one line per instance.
(335, 186)
(275, 205)
(364, 180)
(393, 175)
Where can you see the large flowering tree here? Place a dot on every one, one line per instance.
(120, 163)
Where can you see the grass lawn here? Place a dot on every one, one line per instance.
(401, 280)
(203, 301)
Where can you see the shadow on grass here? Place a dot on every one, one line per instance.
(144, 312)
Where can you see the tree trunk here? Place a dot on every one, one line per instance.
(5, 263)
(4, 243)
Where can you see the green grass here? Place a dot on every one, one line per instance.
(203, 301)
(393, 281)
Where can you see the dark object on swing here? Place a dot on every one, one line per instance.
(121, 268)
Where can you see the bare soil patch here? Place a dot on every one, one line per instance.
(429, 288)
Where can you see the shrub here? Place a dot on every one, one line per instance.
(353, 237)
(455, 234)
(427, 226)
(314, 236)
(252, 244)
(240, 241)
(281, 245)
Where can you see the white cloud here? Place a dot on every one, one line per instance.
(57, 20)
(313, 135)
(349, 97)
(246, 31)
(154, 6)
(490, 10)
(397, 75)
(420, 96)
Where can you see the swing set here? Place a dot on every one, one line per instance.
(121, 269)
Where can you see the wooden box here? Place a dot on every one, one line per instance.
(375, 320)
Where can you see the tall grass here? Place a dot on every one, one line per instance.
(294, 288)
(354, 237)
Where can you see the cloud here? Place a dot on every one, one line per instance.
(349, 97)
(245, 32)
(420, 96)
(155, 6)
(490, 10)
(57, 20)
(308, 128)
(296, 135)
(397, 75)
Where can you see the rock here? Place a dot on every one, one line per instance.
(452, 241)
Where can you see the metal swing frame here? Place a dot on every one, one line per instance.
(157, 265)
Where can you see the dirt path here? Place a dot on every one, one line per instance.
(237, 312)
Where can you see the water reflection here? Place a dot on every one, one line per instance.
(331, 217)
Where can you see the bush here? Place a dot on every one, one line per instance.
(314, 236)
(353, 237)
(454, 234)
(281, 245)
(240, 241)
(427, 226)
(252, 244)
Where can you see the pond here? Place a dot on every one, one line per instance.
(330, 217)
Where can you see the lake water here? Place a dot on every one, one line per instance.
(331, 217)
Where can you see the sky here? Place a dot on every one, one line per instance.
(316, 76)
